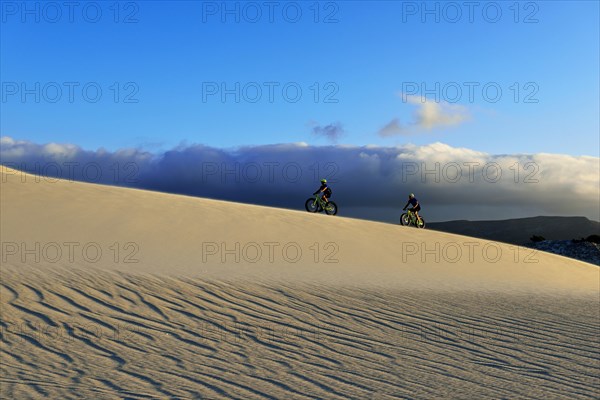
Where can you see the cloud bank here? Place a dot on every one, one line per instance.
(368, 181)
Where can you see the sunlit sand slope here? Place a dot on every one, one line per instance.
(49, 222)
(165, 311)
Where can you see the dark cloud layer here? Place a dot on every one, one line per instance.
(368, 182)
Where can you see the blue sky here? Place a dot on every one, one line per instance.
(172, 52)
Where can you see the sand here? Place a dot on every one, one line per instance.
(110, 292)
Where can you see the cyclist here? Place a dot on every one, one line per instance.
(325, 190)
(416, 207)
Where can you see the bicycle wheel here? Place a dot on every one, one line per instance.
(311, 205)
(404, 219)
(422, 224)
(331, 208)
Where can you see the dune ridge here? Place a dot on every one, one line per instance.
(149, 232)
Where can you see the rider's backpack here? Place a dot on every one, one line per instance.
(328, 192)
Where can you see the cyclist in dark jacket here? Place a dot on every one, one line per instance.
(325, 190)
(416, 207)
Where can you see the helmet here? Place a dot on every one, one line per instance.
(412, 195)
(323, 180)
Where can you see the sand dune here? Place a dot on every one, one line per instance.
(118, 293)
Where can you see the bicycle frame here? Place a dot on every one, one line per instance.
(319, 200)
(413, 217)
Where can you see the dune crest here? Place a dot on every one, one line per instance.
(69, 223)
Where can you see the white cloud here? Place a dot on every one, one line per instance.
(432, 115)
(428, 115)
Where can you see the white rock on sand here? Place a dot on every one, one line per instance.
(117, 293)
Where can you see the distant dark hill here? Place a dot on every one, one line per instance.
(518, 231)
